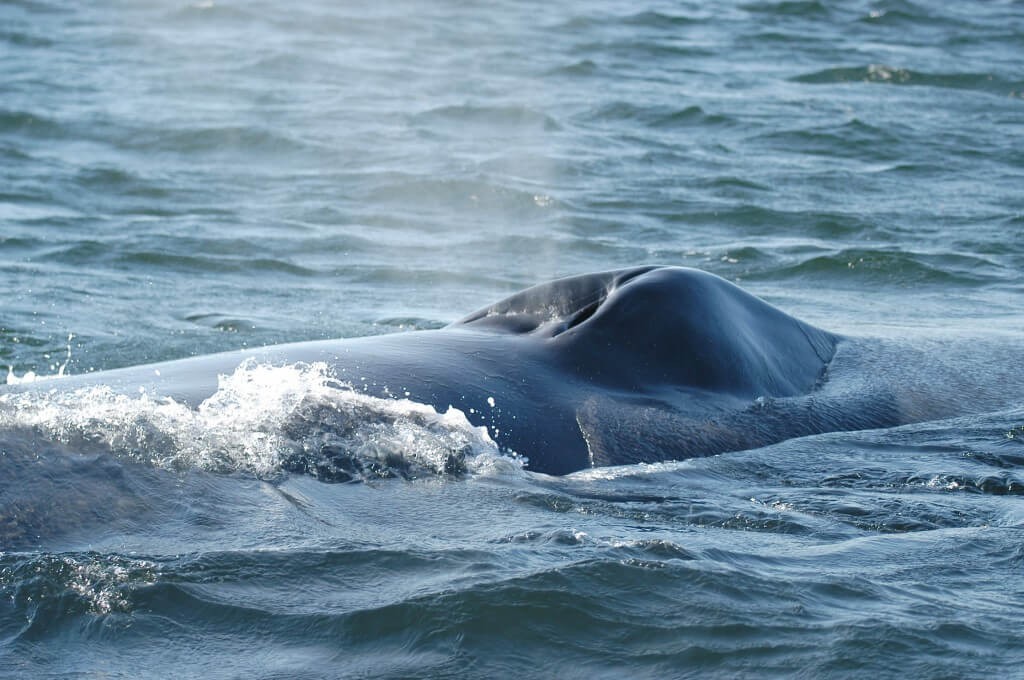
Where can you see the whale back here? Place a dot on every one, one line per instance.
(647, 328)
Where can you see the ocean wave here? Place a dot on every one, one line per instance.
(658, 116)
(452, 196)
(892, 75)
(644, 19)
(891, 266)
(903, 14)
(850, 139)
(577, 69)
(24, 39)
(50, 587)
(30, 124)
(499, 118)
(661, 55)
(206, 140)
(199, 263)
(124, 182)
(790, 8)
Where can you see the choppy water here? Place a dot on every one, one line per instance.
(178, 179)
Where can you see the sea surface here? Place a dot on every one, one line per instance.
(183, 178)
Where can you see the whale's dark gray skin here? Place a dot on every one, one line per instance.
(643, 364)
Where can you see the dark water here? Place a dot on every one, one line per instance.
(180, 179)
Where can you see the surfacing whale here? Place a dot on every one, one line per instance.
(635, 365)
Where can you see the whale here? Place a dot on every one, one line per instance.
(639, 365)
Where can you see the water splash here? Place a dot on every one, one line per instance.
(262, 420)
(32, 376)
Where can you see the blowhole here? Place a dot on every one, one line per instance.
(583, 314)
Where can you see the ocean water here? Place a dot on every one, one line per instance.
(180, 178)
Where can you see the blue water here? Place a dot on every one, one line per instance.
(178, 179)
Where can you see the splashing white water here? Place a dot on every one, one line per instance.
(263, 420)
(32, 376)
(101, 584)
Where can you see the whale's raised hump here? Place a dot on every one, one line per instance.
(647, 326)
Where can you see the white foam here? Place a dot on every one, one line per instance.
(15, 379)
(262, 420)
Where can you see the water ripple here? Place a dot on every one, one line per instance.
(889, 75)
